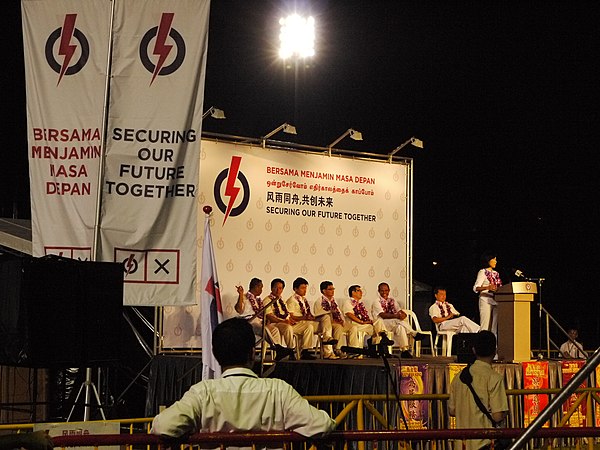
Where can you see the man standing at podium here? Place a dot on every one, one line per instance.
(486, 284)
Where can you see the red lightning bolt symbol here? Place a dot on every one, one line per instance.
(160, 47)
(66, 49)
(230, 190)
(129, 264)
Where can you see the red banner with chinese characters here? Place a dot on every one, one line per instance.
(569, 369)
(596, 403)
(535, 376)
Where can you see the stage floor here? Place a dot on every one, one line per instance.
(172, 375)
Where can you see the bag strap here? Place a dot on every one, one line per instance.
(467, 379)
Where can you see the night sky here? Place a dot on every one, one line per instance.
(503, 94)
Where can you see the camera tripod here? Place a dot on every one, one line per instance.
(89, 387)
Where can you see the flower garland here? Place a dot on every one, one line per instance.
(304, 307)
(278, 303)
(493, 277)
(333, 308)
(388, 305)
(256, 302)
(360, 310)
(448, 309)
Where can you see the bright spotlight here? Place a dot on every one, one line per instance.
(296, 36)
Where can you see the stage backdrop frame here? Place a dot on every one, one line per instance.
(338, 218)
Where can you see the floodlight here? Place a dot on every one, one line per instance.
(417, 142)
(413, 140)
(356, 135)
(215, 113)
(297, 36)
(285, 127)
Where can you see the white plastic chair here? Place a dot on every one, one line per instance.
(415, 323)
(447, 336)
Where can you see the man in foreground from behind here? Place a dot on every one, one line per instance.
(239, 400)
(38, 440)
(489, 386)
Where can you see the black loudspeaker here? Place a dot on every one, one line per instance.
(462, 347)
(59, 312)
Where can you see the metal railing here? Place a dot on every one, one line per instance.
(377, 418)
(340, 439)
(552, 346)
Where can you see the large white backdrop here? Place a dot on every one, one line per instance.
(287, 214)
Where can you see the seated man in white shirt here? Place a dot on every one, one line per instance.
(250, 306)
(395, 319)
(360, 320)
(572, 349)
(278, 315)
(329, 315)
(447, 318)
(299, 308)
(239, 400)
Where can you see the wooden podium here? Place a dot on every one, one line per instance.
(514, 320)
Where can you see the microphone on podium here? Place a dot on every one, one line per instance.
(515, 272)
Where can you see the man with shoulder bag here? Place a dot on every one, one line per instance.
(477, 396)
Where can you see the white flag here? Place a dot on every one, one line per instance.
(210, 302)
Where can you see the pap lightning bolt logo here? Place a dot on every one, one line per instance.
(230, 190)
(129, 264)
(66, 49)
(237, 201)
(161, 48)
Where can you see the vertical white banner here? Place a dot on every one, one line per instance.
(149, 203)
(66, 45)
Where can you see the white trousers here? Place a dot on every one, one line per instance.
(272, 334)
(488, 316)
(459, 325)
(287, 333)
(305, 329)
(371, 329)
(402, 330)
(329, 330)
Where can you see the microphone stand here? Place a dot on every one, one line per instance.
(540, 281)
(381, 349)
(384, 356)
(262, 313)
(261, 310)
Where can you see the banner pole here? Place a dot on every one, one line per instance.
(100, 185)
(88, 384)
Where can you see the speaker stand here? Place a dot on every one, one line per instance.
(89, 387)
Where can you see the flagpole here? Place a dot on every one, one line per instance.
(211, 310)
